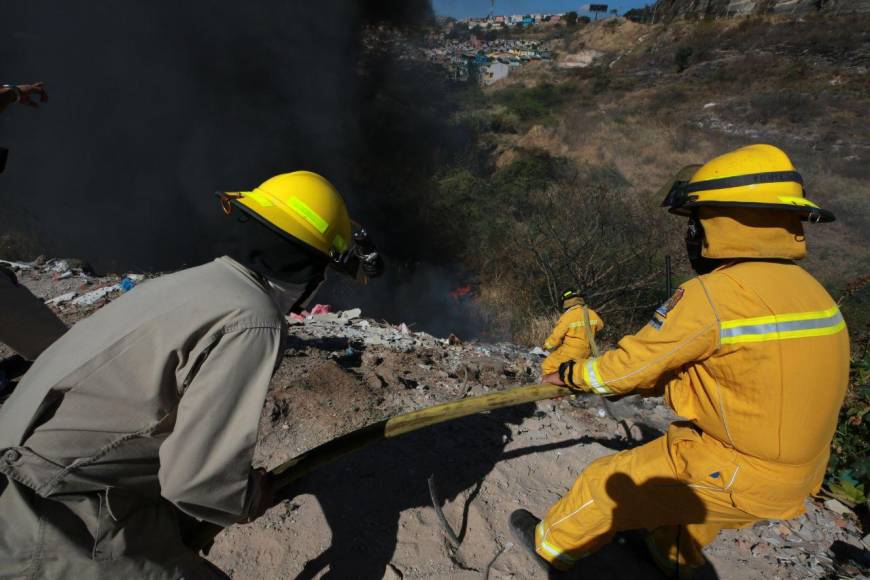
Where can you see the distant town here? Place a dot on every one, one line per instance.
(482, 50)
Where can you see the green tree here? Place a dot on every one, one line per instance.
(571, 18)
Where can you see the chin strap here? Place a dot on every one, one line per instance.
(694, 248)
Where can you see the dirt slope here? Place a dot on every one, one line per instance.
(370, 516)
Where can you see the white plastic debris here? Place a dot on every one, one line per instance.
(18, 265)
(538, 351)
(351, 314)
(602, 413)
(135, 277)
(59, 266)
(709, 105)
(62, 298)
(403, 328)
(95, 296)
(837, 507)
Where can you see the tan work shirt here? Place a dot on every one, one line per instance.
(159, 393)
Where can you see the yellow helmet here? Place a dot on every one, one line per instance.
(301, 206)
(756, 176)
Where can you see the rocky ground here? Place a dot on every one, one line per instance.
(371, 516)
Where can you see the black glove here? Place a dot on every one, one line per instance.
(370, 260)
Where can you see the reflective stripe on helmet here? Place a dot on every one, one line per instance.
(308, 214)
(259, 197)
(801, 201)
(782, 327)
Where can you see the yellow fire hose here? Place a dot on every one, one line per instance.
(300, 466)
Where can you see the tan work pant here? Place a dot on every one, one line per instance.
(637, 490)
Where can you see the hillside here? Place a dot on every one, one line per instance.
(650, 100)
(671, 9)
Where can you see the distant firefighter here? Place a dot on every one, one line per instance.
(753, 353)
(142, 419)
(572, 336)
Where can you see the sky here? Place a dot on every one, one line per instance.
(466, 8)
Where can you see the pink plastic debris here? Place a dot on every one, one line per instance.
(403, 328)
(321, 309)
(297, 317)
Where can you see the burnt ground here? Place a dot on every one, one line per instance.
(370, 515)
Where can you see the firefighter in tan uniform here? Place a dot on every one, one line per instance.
(571, 338)
(142, 419)
(753, 353)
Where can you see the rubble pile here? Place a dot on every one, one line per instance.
(370, 515)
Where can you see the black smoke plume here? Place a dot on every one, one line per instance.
(155, 105)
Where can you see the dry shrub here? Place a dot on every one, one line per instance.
(576, 234)
(537, 328)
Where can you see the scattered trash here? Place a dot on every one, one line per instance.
(95, 296)
(601, 413)
(351, 314)
(62, 298)
(127, 284)
(538, 351)
(837, 507)
(58, 266)
(296, 317)
(17, 265)
(709, 105)
(321, 309)
(403, 328)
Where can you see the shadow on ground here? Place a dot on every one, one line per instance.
(363, 496)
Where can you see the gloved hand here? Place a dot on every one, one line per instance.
(370, 259)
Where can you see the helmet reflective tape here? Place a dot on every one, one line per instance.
(743, 180)
(801, 201)
(308, 214)
(260, 198)
(339, 243)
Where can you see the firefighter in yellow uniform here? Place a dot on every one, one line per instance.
(570, 339)
(753, 353)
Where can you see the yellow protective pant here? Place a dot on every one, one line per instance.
(636, 490)
(563, 353)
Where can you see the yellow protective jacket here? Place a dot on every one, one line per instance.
(569, 339)
(755, 355)
(570, 332)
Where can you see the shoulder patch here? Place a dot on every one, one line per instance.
(671, 303)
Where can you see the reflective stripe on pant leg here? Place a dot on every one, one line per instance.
(573, 527)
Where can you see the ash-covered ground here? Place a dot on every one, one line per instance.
(371, 516)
